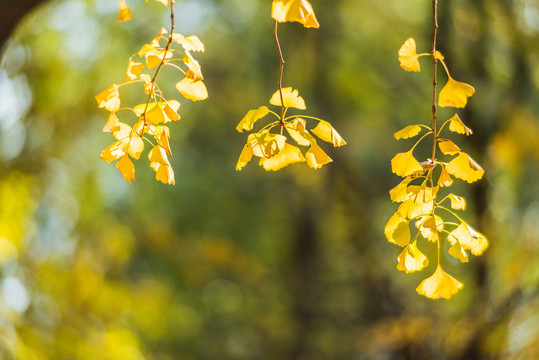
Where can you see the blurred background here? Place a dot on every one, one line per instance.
(253, 264)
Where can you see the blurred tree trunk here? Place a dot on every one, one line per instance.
(11, 12)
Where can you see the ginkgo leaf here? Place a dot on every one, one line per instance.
(266, 144)
(457, 202)
(194, 70)
(296, 129)
(439, 285)
(135, 146)
(409, 209)
(411, 259)
(316, 157)
(156, 115)
(326, 132)
(408, 57)
(189, 43)
(155, 40)
(455, 94)
(149, 86)
(192, 90)
(113, 124)
(154, 59)
(123, 132)
(291, 98)
(287, 156)
(469, 239)
(448, 147)
(109, 98)
(252, 116)
(126, 167)
(465, 168)
(165, 174)
(456, 125)
(125, 12)
(294, 10)
(114, 151)
(171, 110)
(133, 70)
(400, 192)
(159, 162)
(164, 140)
(408, 132)
(430, 227)
(458, 252)
(245, 156)
(421, 194)
(397, 230)
(445, 179)
(404, 164)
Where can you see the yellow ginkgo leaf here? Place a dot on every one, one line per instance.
(154, 59)
(114, 151)
(113, 124)
(125, 12)
(430, 227)
(409, 209)
(455, 94)
(400, 192)
(421, 194)
(397, 230)
(171, 110)
(155, 115)
(133, 70)
(294, 10)
(440, 285)
(192, 90)
(159, 162)
(465, 168)
(297, 131)
(469, 239)
(291, 98)
(163, 140)
(457, 202)
(126, 167)
(445, 179)
(411, 259)
(404, 164)
(245, 156)
(109, 98)
(135, 146)
(448, 147)
(316, 157)
(326, 132)
(194, 70)
(408, 132)
(252, 116)
(408, 57)
(287, 156)
(266, 144)
(456, 125)
(458, 252)
(189, 43)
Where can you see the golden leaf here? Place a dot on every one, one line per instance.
(400, 192)
(287, 156)
(154, 59)
(469, 239)
(444, 180)
(408, 57)
(252, 116)
(411, 210)
(316, 157)
(113, 124)
(125, 12)
(114, 151)
(326, 132)
(458, 252)
(126, 167)
(411, 259)
(294, 10)
(455, 94)
(421, 194)
(408, 132)
(192, 90)
(457, 202)
(159, 162)
(439, 285)
(397, 230)
(133, 70)
(465, 168)
(171, 110)
(291, 98)
(448, 147)
(155, 115)
(135, 146)
(404, 164)
(430, 227)
(109, 98)
(164, 140)
(194, 70)
(189, 43)
(456, 125)
(266, 144)
(245, 156)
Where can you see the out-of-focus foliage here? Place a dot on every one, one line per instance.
(251, 264)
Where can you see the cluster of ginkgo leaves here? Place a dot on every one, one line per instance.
(150, 116)
(272, 147)
(434, 216)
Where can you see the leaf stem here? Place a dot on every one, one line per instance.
(281, 68)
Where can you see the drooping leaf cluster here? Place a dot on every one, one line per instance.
(166, 49)
(420, 193)
(272, 147)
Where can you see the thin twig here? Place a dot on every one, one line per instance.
(281, 68)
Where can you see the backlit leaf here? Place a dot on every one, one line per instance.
(114, 151)
(135, 146)
(458, 252)
(455, 94)
(448, 147)
(465, 168)
(408, 57)
(440, 285)
(159, 162)
(400, 192)
(265, 144)
(113, 124)
(192, 90)
(194, 70)
(133, 70)
(445, 179)
(326, 132)
(109, 98)
(457, 202)
(291, 98)
(189, 43)
(245, 156)
(408, 132)
(126, 167)
(397, 230)
(316, 157)
(156, 115)
(297, 131)
(422, 193)
(456, 125)
(404, 164)
(164, 140)
(287, 156)
(411, 259)
(125, 12)
(409, 209)
(294, 10)
(171, 110)
(469, 239)
(252, 116)
(430, 227)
